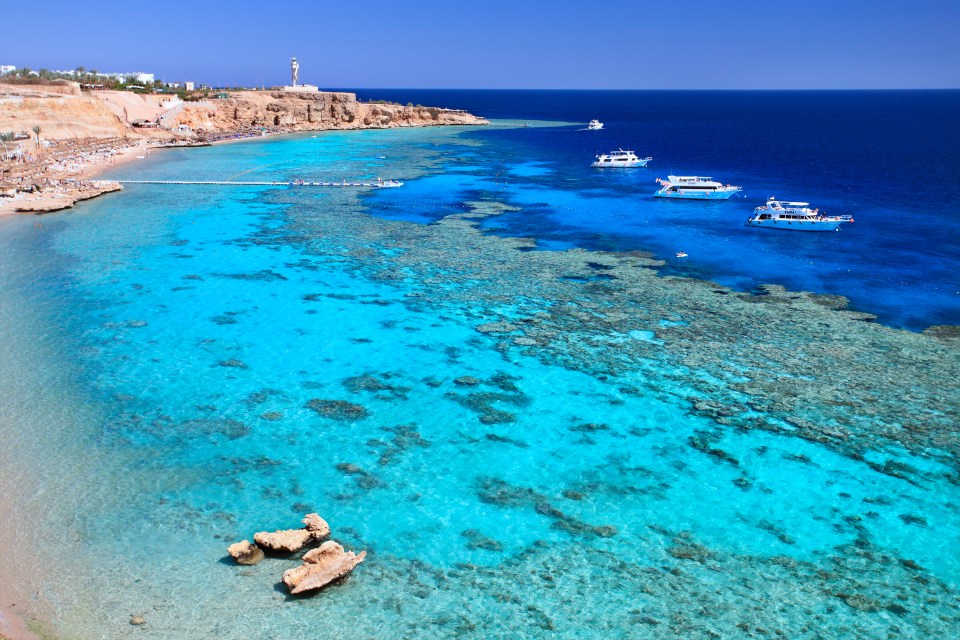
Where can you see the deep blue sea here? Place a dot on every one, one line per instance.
(497, 380)
(889, 158)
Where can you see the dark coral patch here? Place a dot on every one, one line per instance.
(338, 409)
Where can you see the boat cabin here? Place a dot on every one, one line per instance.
(784, 210)
(619, 155)
(694, 182)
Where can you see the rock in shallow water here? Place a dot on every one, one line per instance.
(291, 540)
(322, 566)
(245, 552)
(288, 540)
(316, 526)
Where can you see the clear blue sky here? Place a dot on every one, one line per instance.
(610, 44)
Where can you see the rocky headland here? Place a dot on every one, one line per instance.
(62, 135)
(243, 111)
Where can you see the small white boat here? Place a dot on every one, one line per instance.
(694, 188)
(621, 158)
(680, 254)
(594, 125)
(794, 216)
(388, 184)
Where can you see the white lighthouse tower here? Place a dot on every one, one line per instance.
(295, 79)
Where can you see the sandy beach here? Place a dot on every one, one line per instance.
(49, 187)
(12, 623)
(41, 187)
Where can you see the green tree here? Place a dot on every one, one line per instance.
(36, 130)
(5, 138)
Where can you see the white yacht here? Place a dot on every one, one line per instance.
(694, 187)
(595, 125)
(621, 158)
(794, 216)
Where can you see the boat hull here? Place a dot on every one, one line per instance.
(797, 225)
(620, 165)
(693, 195)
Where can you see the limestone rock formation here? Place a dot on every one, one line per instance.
(64, 113)
(322, 566)
(65, 196)
(291, 540)
(310, 111)
(287, 540)
(316, 526)
(60, 114)
(245, 552)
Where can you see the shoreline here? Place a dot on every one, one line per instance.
(62, 189)
(53, 172)
(14, 620)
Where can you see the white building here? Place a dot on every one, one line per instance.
(129, 76)
(188, 86)
(7, 68)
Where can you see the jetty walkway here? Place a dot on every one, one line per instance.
(379, 184)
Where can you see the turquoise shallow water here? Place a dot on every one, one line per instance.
(600, 462)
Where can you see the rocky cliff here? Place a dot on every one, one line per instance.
(60, 113)
(311, 111)
(63, 113)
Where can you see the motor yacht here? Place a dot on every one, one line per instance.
(621, 158)
(694, 188)
(794, 216)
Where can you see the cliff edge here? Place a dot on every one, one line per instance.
(310, 111)
(64, 113)
(56, 136)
